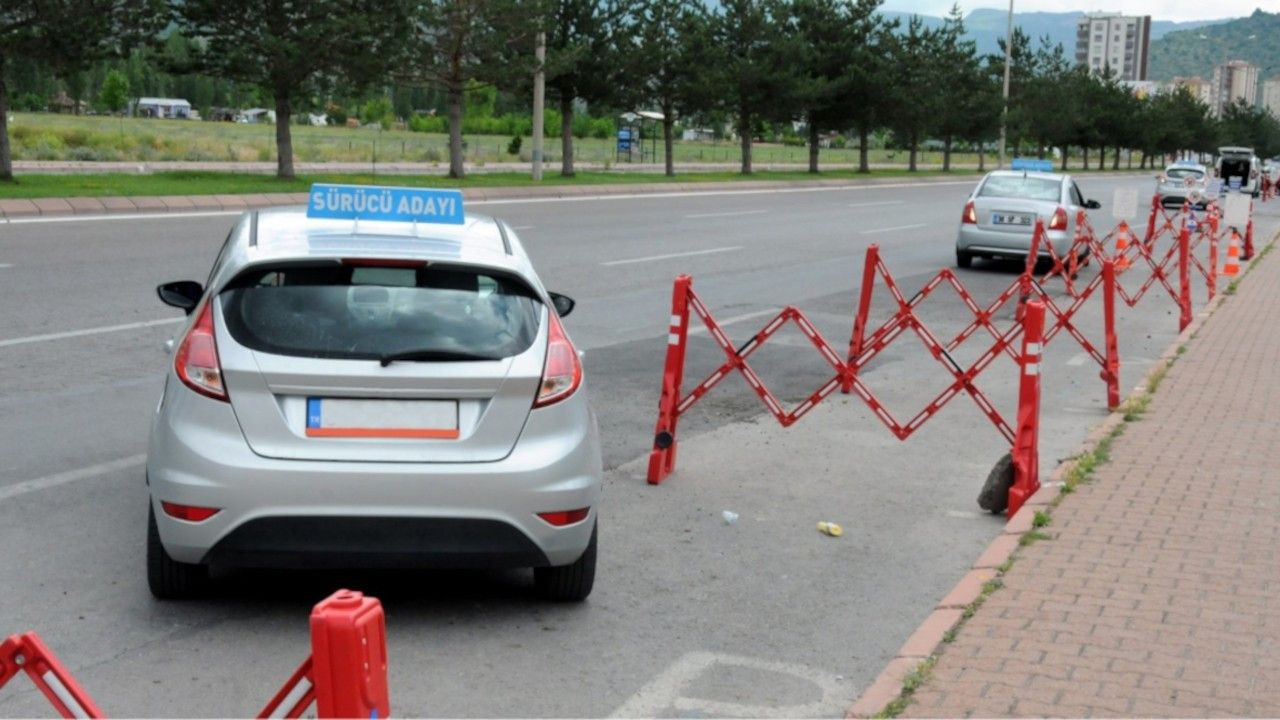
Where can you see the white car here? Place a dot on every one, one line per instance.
(1183, 182)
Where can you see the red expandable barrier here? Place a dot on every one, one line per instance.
(28, 653)
(346, 674)
(1026, 442)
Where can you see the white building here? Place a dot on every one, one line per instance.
(172, 108)
(1235, 80)
(1271, 96)
(1116, 42)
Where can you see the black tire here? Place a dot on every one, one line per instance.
(168, 578)
(994, 497)
(963, 259)
(572, 582)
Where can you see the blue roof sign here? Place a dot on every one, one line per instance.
(1032, 164)
(392, 204)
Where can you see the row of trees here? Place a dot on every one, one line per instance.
(832, 65)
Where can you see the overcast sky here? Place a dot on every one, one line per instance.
(1164, 10)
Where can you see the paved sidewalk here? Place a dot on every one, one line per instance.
(1158, 592)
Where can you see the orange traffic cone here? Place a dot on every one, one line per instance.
(1122, 244)
(1232, 266)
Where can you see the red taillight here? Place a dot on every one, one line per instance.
(970, 216)
(1059, 220)
(196, 360)
(565, 517)
(562, 373)
(190, 513)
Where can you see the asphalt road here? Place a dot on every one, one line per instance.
(691, 616)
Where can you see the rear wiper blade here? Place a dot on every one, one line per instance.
(444, 355)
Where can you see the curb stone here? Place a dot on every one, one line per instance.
(887, 686)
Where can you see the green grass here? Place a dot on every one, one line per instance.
(210, 183)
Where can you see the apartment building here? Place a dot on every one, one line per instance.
(1116, 42)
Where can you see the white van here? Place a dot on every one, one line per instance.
(1239, 169)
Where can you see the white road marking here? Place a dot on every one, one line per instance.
(696, 326)
(5, 265)
(892, 229)
(964, 514)
(1079, 359)
(691, 253)
(521, 227)
(117, 216)
(665, 692)
(69, 476)
(726, 214)
(876, 204)
(87, 331)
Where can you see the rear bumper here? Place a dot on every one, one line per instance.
(998, 243)
(371, 513)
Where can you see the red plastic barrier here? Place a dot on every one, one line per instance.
(346, 674)
(28, 653)
(1026, 442)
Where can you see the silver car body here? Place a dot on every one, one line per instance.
(1004, 222)
(1182, 182)
(286, 498)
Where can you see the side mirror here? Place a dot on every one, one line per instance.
(1092, 204)
(183, 294)
(562, 303)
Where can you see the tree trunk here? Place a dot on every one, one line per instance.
(1102, 158)
(1064, 157)
(744, 139)
(911, 155)
(946, 154)
(668, 142)
(6, 161)
(813, 146)
(982, 156)
(1115, 159)
(1085, 150)
(457, 156)
(863, 165)
(566, 135)
(284, 140)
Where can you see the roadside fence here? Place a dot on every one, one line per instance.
(344, 677)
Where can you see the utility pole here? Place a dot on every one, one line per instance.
(539, 101)
(1008, 61)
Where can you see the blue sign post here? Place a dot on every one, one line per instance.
(624, 140)
(394, 204)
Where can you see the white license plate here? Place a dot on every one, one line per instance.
(1007, 219)
(343, 417)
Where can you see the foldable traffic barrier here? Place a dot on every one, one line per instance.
(845, 371)
(346, 673)
(345, 676)
(28, 653)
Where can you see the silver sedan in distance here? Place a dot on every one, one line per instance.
(1183, 182)
(1000, 215)
(372, 394)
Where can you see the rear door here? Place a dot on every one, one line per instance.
(307, 354)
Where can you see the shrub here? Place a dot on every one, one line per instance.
(513, 147)
(428, 124)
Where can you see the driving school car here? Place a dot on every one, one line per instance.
(999, 219)
(379, 380)
(1182, 183)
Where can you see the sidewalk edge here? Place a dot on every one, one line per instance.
(923, 644)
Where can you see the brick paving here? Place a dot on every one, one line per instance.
(1158, 594)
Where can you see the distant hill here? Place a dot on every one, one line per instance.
(988, 26)
(1194, 52)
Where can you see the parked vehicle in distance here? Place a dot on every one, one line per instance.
(999, 218)
(372, 394)
(1239, 170)
(1183, 182)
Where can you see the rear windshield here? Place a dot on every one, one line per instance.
(338, 311)
(1181, 173)
(1018, 186)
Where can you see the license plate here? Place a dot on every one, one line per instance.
(1007, 219)
(368, 418)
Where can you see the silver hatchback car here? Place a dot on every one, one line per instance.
(372, 394)
(1000, 215)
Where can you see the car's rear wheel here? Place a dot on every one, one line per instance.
(168, 578)
(963, 259)
(572, 582)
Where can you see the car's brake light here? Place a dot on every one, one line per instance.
(1059, 219)
(190, 513)
(562, 372)
(196, 360)
(565, 517)
(970, 216)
